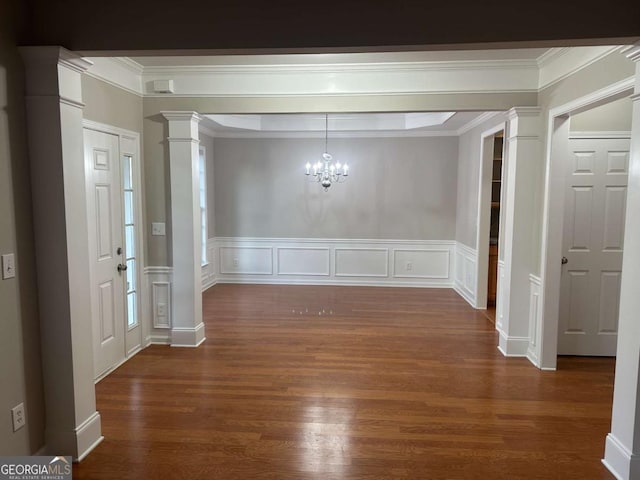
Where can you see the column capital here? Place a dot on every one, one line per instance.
(174, 116)
(183, 126)
(516, 112)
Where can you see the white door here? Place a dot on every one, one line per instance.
(595, 201)
(106, 249)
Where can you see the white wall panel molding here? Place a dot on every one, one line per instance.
(500, 293)
(535, 319)
(308, 261)
(361, 262)
(209, 270)
(465, 272)
(599, 135)
(157, 298)
(335, 261)
(121, 72)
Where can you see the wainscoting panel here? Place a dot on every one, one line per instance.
(209, 270)
(246, 260)
(362, 262)
(312, 261)
(535, 320)
(466, 284)
(500, 297)
(421, 263)
(308, 261)
(156, 306)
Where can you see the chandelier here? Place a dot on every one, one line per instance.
(325, 172)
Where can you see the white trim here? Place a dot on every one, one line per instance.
(569, 61)
(352, 134)
(485, 177)
(553, 212)
(619, 460)
(187, 336)
(479, 120)
(88, 436)
(430, 267)
(623, 135)
(513, 346)
(465, 279)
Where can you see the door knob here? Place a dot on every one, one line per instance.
(565, 260)
(121, 268)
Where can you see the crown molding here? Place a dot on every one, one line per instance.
(569, 61)
(551, 55)
(334, 135)
(119, 72)
(480, 119)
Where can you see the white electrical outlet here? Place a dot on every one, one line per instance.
(17, 415)
(8, 266)
(162, 309)
(409, 266)
(236, 263)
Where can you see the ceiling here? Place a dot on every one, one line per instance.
(340, 124)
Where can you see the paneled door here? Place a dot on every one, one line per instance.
(595, 201)
(106, 249)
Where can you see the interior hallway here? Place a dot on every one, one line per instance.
(298, 382)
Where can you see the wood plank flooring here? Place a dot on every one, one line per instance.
(302, 382)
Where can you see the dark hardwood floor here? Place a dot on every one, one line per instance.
(302, 382)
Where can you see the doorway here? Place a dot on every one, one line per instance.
(494, 224)
(558, 153)
(113, 214)
(593, 230)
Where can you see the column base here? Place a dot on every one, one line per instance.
(77, 443)
(187, 337)
(513, 346)
(620, 461)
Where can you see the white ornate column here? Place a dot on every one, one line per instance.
(54, 119)
(187, 329)
(622, 449)
(523, 157)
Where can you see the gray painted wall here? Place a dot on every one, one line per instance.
(611, 117)
(399, 188)
(20, 360)
(469, 160)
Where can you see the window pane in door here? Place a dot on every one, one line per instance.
(131, 275)
(128, 207)
(126, 171)
(130, 245)
(132, 317)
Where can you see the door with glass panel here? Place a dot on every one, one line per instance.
(112, 247)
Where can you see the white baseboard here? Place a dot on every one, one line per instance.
(89, 436)
(464, 293)
(513, 346)
(187, 337)
(159, 339)
(619, 460)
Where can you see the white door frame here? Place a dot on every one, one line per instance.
(557, 147)
(484, 212)
(129, 144)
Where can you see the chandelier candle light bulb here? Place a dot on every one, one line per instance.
(326, 172)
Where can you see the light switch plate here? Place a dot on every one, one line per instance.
(158, 229)
(8, 266)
